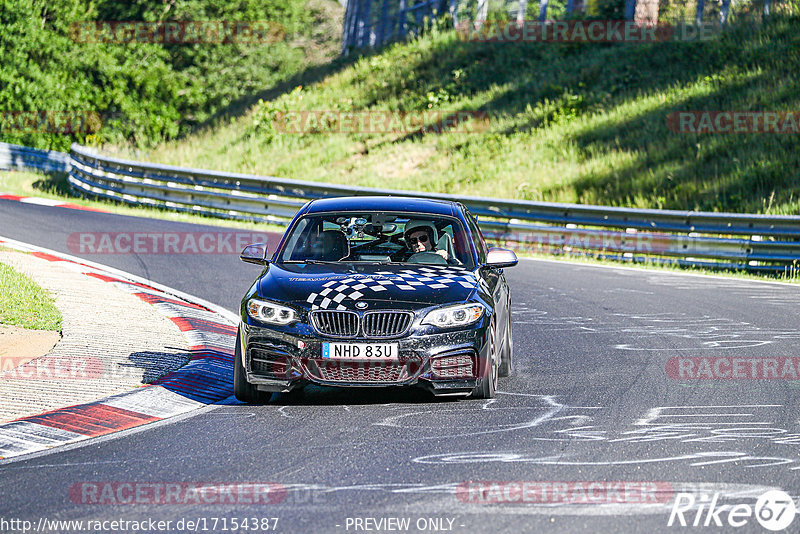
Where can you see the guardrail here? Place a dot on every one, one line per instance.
(729, 240)
(17, 157)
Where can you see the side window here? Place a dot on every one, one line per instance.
(477, 237)
(294, 245)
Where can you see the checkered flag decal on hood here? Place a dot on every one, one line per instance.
(355, 287)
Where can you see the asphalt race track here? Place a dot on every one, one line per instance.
(591, 400)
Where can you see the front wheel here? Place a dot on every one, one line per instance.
(488, 386)
(242, 389)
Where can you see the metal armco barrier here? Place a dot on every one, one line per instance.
(730, 240)
(16, 157)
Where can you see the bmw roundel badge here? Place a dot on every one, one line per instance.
(361, 305)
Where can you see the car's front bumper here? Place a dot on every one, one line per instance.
(445, 363)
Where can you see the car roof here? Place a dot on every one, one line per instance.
(385, 203)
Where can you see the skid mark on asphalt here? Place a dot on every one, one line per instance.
(695, 459)
(509, 412)
(542, 418)
(646, 332)
(748, 425)
(662, 415)
(430, 420)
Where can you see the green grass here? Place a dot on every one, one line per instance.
(569, 122)
(24, 303)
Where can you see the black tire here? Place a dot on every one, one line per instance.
(242, 389)
(487, 389)
(507, 359)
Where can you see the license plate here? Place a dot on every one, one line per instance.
(360, 351)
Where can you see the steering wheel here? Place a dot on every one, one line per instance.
(430, 258)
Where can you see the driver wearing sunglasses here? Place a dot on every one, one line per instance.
(420, 239)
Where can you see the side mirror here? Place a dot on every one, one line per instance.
(255, 253)
(500, 257)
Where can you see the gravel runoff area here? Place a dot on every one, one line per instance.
(111, 342)
(20, 345)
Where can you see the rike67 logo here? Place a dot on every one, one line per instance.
(774, 510)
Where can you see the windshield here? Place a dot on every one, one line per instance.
(381, 238)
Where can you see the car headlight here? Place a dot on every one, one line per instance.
(460, 315)
(270, 312)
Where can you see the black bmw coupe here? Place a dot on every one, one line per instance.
(377, 291)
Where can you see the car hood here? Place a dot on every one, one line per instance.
(343, 286)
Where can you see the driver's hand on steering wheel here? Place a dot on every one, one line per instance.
(443, 253)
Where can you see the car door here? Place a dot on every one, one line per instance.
(495, 280)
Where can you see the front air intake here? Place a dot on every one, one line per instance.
(335, 323)
(386, 323)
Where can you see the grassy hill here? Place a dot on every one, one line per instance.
(568, 122)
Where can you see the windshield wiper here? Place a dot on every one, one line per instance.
(323, 262)
(315, 262)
